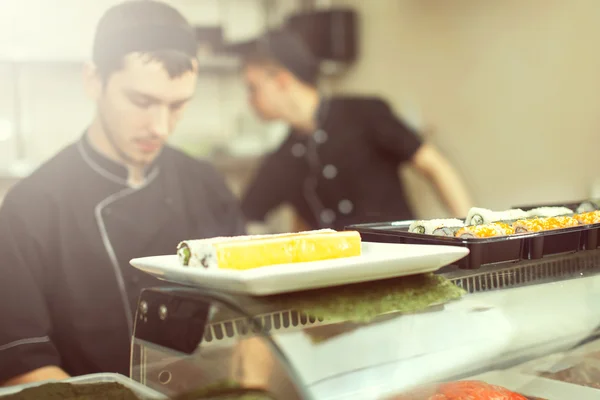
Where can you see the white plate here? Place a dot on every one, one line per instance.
(378, 261)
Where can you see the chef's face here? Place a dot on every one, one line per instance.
(266, 92)
(140, 105)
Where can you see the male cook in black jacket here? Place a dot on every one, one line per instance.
(339, 163)
(67, 232)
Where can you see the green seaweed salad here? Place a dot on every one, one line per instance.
(364, 302)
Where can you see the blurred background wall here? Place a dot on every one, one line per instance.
(508, 90)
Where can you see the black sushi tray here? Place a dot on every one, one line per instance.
(495, 250)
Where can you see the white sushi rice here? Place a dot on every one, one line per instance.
(483, 216)
(547, 212)
(588, 206)
(203, 253)
(429, 226)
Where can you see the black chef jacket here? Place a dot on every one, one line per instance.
(345, 173)
(67, 233)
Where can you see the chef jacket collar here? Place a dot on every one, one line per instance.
(108, 168)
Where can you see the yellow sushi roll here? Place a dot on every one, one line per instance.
(260, 251)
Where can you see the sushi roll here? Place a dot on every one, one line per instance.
(440, 227)
(588, 218)
(543, 224)
(210, 253)
(588, 206)
(189, 252)
(547, 212)
(485, 231)
(482, 216)
(446, 231)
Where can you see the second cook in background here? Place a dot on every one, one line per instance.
(339, 164)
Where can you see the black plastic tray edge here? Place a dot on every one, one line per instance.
(591, 240)
(396, 229)
(527, 246)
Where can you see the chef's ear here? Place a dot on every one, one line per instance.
(92, 81)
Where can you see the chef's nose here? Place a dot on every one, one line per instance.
(160, 121)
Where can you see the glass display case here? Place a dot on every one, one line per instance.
(530, 326)
(506, 317)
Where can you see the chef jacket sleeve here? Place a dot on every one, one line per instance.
(25, 343)
(391, 134)
(268, 189)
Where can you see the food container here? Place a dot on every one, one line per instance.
(569, 369)
(463, 389)
(591, 239)
(495, 250)
(537, 388)
(140, 390)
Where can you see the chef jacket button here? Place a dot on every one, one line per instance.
(298, 150)
(327, 216)
(320, 136)
(330, 171)
(163, 312)
(345, 206)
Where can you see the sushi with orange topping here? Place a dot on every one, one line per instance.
(588, 218)
(485, 231)
(544, 224)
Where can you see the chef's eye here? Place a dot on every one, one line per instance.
(140, 102)
(144, 104)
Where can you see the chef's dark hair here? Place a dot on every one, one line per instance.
(286, 50)
(149, 27)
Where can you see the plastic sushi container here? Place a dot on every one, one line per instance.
(534, 387)
(492, 250)
(571, 369)
(143, 392)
